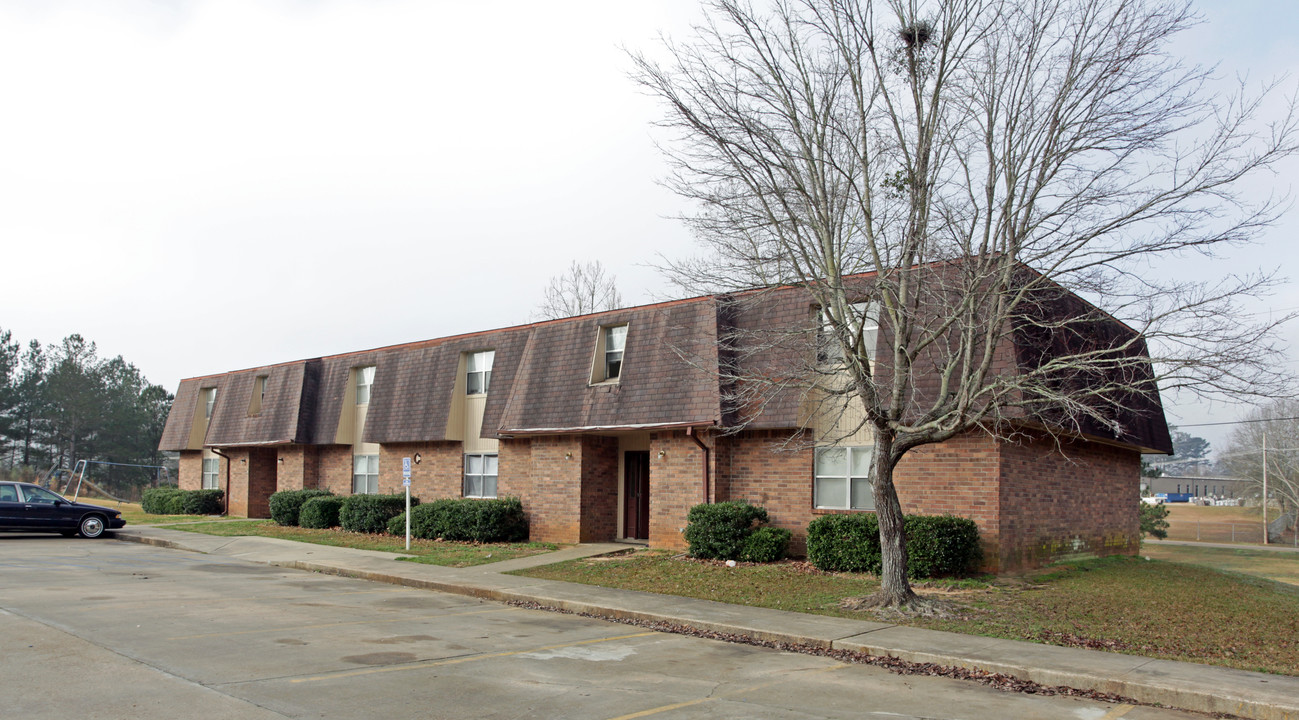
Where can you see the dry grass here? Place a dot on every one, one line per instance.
(1270, 564)
(1152, 608)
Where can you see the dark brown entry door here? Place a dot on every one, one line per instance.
(635, 494)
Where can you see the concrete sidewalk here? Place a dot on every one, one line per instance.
(1188, 686)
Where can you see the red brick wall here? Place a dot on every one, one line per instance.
(190, 473)
(957, 477)
(554, 504)
(676, 484)
(299, 467)
(238, 491)
(438, 475)
(762, 469)
(261, 482)
(335, 469)
(1080, 499)
(514, 470)
(599, 493)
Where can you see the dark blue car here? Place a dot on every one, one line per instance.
(25, 507)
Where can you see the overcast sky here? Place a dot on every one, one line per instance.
(208, 186)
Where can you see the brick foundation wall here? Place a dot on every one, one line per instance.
(189, 476)
(1078, 500)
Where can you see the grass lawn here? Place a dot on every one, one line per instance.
(134, 515)
(1152, 608)
(432, 552)
(1279, 566)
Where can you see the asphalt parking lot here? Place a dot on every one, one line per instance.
(101, 629)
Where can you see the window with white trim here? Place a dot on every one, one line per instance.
(364, 379)
(480, 475)
(211, 466)
(209, 402)
(842, 478)
(609, 346)
(863, 321)
(478, 372)
(259, 395)
(365, 474)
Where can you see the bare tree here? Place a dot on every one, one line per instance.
(1271, 433)
(583, 288)
(976, 159)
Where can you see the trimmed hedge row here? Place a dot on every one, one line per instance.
(936, 544)
(371, 513)
(466, 520)
(286, 504)
(320, 512)
(174, 501)
(734, 530)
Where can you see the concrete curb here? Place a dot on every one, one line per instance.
(1188, 686)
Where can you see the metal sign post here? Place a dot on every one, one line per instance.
(405, 481)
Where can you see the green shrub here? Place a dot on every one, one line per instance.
(466, 520)
(936, 544)
(941, 545)
(155, 500)
(718, 530)
(844, 543)
(1154, 520)
(371, 513)
(201, 502)
(766, 544)
(286, 504)
(320, 512)
(174, 501)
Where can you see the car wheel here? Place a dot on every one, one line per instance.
(92, 526)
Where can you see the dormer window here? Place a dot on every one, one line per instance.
(209, 402)
(863, 321)
(259, 395)
(609, 347)
(364, 379)
(614, 341)
(478, 372)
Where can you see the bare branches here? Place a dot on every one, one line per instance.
(995, 181)
(583, 288)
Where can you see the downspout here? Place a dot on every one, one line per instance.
(690, 433)
(229, 462)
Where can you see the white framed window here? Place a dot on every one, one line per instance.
(842, 478)
(480, 475)
(863, 320)
(364, 379)
(209, 402)
(211, 466)
(365, 474)
(478, 372)
(615, 339)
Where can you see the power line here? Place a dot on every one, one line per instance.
(1232, 422)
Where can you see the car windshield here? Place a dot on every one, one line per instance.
(40, 495)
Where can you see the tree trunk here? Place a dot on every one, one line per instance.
(895, 589)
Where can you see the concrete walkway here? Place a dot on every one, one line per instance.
(1188, 686)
